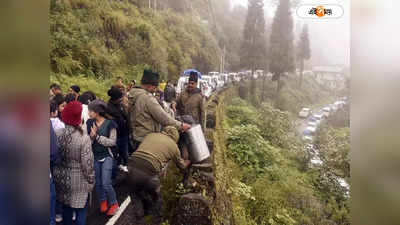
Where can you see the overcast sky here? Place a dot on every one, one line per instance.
(329, 39)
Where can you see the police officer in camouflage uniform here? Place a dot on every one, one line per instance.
(146, 114)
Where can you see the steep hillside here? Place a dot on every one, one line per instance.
(104, 39)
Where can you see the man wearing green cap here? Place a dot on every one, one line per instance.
(146, 114)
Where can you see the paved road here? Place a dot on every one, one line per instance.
(301, 124)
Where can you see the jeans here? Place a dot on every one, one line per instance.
(52, 202)
(104, 188)
(59, 207)
(123, 144)
(80, 215)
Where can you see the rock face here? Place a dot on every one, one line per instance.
(193, 209)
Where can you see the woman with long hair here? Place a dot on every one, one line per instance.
(103, 133)
(116, 111)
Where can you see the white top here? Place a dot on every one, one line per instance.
(85, 117)
(57, 124)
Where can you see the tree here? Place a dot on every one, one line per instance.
(303, 51)
(281, 43)
(253, 49)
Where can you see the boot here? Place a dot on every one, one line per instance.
(113, 209)
(103, 206)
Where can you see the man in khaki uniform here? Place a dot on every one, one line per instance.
(145, 165)
(191, 101)
(146, 114)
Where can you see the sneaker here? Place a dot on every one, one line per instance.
(103, 206)
(73, 215)
(59, 218)
(123, 168)
(113, 209)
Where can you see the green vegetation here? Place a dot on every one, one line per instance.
(281, 43)
(303, 50)
(262, 171)
(101, 40)
(271, 180)
(253, 49)
(292, 98)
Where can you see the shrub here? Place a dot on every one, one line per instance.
(250, 151)
(274, 124)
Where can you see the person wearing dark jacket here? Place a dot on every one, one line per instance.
(116, 112)
(54, 160)
(169, 92)
(75, 89)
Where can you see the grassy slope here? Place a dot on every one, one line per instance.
(286, 193)
(94, 41)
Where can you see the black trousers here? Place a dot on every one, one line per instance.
(133, 146)
(144, 182)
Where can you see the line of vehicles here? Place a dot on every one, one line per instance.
(315, 118)
(215, 81)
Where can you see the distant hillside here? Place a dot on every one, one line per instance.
(97, 39)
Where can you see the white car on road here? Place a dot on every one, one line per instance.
(316, 118)
(311, 129)
(182, 83)
(308, 138)
(206, 89)
(312, 124)
(209, 80)
(326, 111)
(304, 113)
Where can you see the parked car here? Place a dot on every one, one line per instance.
(259, 73)
(182, 83)
(205, 88)
(333, 107)
(238, 77)
(308, 138)
(317, 118)
(209, 80)
(308, 73)
(304, 113)
(218, 83)
(221, 80)
(213, 73)
(326, 111)
(312, 129)
(312, 124)
(225, 78)
(339, 104)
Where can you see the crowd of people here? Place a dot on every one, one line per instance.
(136, 132)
